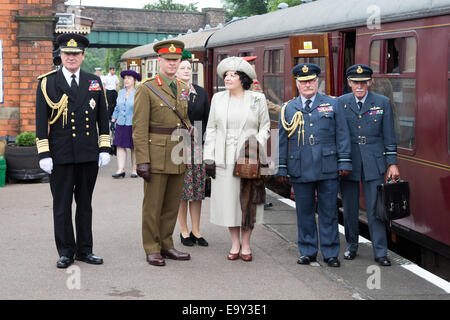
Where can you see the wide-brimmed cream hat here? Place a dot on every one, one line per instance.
(235, 64)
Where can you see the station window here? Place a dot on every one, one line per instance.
(273, 77)
(394, 64)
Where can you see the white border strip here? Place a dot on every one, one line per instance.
(414, 268)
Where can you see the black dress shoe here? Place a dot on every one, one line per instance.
(349, 255)
(332, 262)
(64, 262)
(89, 258)
(201, 241)
(306, 259)
(383, 261)
(133, 175)
(186, 241)
(118, 175)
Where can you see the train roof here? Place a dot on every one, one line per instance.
(323, 15)
(192, 41)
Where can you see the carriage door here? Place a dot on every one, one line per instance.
(313, 48)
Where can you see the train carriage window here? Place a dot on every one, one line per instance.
(448, 98)
(397, 81)
(220, 84)
(273, 76)
(320, 61)
(375, 55)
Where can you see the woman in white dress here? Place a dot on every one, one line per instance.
(236, 114)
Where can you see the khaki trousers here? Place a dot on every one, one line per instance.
(160, 210)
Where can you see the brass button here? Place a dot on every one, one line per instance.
(72, 120)
(359, 127)
(73, 127)
(87, 119)
(178, 124)
(87, 133)
(73, 113)
(74, 135)
(360, 116)
(311, 124)
(375, 120)
(87, 112)
(310, 114)
(87, 126)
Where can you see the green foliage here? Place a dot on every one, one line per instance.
(244, 8)
(170, 5)
(272, 5)
(103, 58)
(26, 139)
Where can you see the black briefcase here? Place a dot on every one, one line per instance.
(392, 201)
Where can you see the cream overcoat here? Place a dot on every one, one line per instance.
(255, 121)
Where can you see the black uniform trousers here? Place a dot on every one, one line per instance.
(111, 97)
(67, 181)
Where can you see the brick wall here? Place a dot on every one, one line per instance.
(23, 62)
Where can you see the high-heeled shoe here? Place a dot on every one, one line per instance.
(233, 256)
(201, 241)
(246, 257)
(186, 241)
(119, 175)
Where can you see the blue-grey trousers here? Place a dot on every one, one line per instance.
(328, 217)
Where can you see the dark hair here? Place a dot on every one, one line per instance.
(245, 79)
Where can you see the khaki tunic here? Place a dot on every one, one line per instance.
(162, 194)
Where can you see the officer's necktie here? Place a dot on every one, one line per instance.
(74, 85)
(359, 105)
(173, 86)
(307, 103)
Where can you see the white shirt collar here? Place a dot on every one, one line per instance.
(304, 99)
(68, 75)
(363, 99)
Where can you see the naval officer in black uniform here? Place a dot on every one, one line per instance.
(73, 142)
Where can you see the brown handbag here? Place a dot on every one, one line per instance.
(246, 170)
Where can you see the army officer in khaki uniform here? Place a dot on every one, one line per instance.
(154, 123)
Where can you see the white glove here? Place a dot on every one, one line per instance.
(103, 159)
(46, 164)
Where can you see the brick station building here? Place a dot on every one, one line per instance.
(26, 45)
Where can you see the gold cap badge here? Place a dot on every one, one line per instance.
(305, 69)
(359, 70)
(172, 48)
(72, 43)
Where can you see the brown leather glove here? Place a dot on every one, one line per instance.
(344, 173)
(210, 167)
(282, 180)
(143, 170)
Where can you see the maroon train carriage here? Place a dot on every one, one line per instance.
(407, 44)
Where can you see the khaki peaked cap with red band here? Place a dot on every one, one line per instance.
(169, 49)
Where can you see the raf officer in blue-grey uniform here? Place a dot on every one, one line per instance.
(71, 103)
(374, 149)
(314, 149)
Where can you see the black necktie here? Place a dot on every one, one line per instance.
(307, 103)
(359, 105)
(73, 84)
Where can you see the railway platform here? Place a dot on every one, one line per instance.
(29, 256)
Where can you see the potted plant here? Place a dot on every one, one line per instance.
(22, 160)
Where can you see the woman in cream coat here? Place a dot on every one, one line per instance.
(235, 114)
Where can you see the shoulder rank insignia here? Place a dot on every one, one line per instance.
(46, 74)
(94, 86)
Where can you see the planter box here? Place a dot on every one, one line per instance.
(22, 163)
